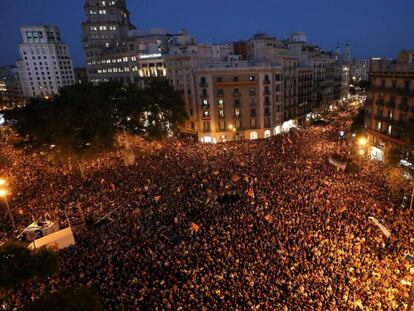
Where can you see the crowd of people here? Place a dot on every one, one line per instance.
(294, 235)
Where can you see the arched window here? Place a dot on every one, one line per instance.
(253, 135)
(267, 134)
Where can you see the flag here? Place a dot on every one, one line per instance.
(269, 218)
(246, 179)
(216, 173)
(343, 209)
(283, 149)
(113, 187)
(157, 198)
(250, 193)
(235, 178)
(242, 164)
(384, 230)
(195, 227)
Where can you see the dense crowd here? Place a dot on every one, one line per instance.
(294, 234)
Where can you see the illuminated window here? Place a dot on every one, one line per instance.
(221, 113)
(237, 113)
(253, 135)
(220, 103)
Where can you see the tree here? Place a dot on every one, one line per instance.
(17, 263)
(358, 121)
(85, 119)
(68, 299)
(396, 181)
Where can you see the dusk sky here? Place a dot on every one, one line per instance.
(375, 28)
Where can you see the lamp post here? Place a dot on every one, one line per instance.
(3, 194)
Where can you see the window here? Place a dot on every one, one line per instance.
(236, 103)
(253, 112)
(204, 103)
(253, 135)
(252, 78)
(252, 91)
(235, 79)
(206, 126)
(206, 114)
(237, 113)
(238, 124)
(222, 125)
(278, 77)
(267, 134)
(221, 113)
(220, 92)
(219, 79)
(220, 103)
(407, 85)
(379, 126)
(236, 91)
(253, 123)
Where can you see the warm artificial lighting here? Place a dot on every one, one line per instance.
(230, 126)
(362, 141)
(2, 182)
(3, 193)
(234, 129)
(361, 152)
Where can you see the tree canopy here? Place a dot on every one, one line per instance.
(17, 263)
(85, 119)
(68, 299)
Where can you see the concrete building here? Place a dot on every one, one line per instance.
(11, 94)
(360, 70)
(114, 49)
(390, 102)
(45, 65)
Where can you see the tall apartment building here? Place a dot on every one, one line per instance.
(390, 102)
(45, 65)
(11, 94)
(114, 49)
(360, 69)
(250, 89)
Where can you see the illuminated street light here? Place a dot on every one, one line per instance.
(361, 152)
(231, 127)
(362, 141)
(3, 195)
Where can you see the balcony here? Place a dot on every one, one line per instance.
(391, 104)
(267, 92)
(404, 107)
(266, 82)
(392, 90)
(237, 95)
(204, 96)
(203, 84)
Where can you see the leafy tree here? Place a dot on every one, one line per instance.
(85, 119)
(396, 181)
(358, 121)
(68, 299)
(17, 263)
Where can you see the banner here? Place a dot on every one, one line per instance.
(384, 230)
(338, 164)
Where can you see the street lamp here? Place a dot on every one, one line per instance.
(361, 152)
(2, 182)
(362, 141)
(3, 194)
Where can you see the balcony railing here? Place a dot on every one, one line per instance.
(237, 95)
(203, 84)
(267, 92)
(391, 104)
(392, 90)
(266, 82)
